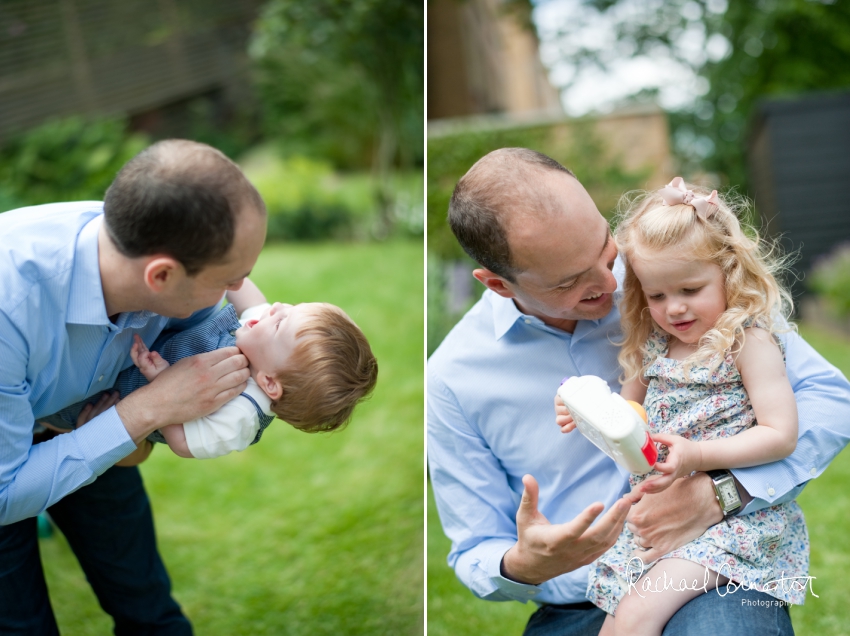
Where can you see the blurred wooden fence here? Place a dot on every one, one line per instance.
(62, 57)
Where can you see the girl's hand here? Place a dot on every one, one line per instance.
(562, 416)
(150, 363)
(683, 459)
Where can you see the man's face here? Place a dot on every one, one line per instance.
(206, 288)
(565, 257)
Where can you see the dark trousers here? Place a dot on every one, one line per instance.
(109, 527)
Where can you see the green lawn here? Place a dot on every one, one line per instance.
(300, 534)
(454, 611)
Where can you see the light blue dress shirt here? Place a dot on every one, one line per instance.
(491, 420)
(57, 347)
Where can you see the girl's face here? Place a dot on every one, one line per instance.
(685, 297)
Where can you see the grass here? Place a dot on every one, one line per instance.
(454, 611)
(300, 534)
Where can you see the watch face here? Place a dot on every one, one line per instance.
(728, 493)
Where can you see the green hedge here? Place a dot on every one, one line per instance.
(68, 159)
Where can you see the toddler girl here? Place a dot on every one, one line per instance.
(699, 311)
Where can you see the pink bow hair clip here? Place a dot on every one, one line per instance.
(675, 193)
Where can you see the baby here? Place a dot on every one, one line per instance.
(309, 363)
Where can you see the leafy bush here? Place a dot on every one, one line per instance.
(307, 200)
(65, 160)
(830, 278)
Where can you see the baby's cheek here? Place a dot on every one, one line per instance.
(657, 314)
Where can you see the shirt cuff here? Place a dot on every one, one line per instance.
(769, 486)
(521, 592)
(757, 504)
(104, 441)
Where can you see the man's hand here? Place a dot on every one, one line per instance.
(562, 416)
(191, 388)
(544, 551)
(662, 523)
(150, 363)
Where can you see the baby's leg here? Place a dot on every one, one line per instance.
(645, 612)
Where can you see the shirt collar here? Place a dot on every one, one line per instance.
(86, 305)
(505, 313)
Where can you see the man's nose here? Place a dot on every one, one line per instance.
(605, 280)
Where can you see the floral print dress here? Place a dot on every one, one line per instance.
(767, 550)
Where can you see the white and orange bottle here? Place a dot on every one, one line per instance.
(616, 426)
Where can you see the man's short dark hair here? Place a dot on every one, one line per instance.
(501, 179)
(179, 198)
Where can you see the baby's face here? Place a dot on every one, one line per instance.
(269, 342)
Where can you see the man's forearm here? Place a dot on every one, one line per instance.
(53, 469)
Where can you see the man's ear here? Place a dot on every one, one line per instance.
(270, 385)
(493, 282)
(161, 272)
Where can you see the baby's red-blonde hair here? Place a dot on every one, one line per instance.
(331, 370)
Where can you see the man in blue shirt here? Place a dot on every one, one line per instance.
(549, 264)
(179, 226)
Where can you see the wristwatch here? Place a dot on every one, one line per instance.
(726, 491)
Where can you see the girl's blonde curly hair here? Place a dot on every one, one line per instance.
(749, 264)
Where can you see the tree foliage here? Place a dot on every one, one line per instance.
(745, 50)
(343, 79)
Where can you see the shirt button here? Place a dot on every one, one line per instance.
(813, 471)
(771, 492)
(527, 321)
(100, 379)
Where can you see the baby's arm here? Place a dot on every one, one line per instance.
(150, 363)
(763, 374)
(249, 295)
